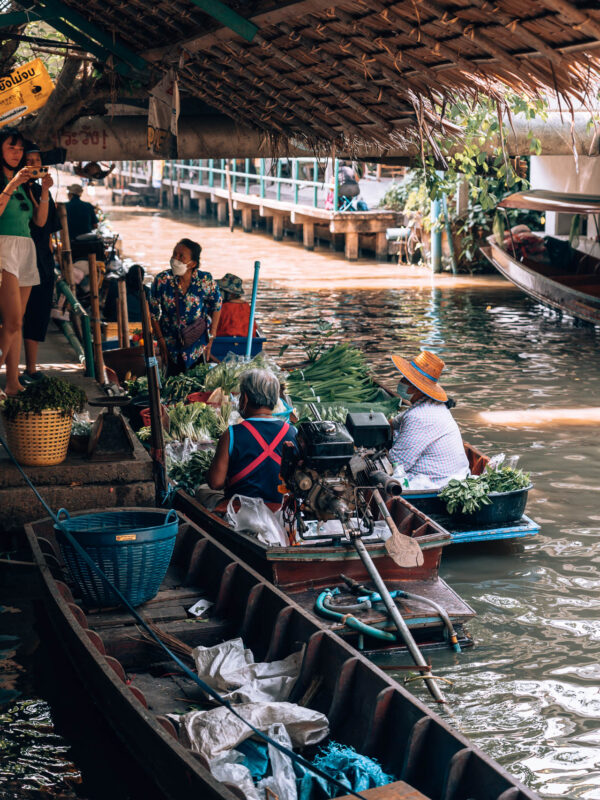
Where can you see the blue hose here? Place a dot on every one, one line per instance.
(349, 620)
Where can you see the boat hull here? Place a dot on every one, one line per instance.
(543, 288)
(366, 709)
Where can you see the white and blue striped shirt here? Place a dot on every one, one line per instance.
(429, 443)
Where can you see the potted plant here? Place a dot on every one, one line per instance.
(38, 421)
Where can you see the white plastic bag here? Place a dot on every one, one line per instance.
(228, 767)
(214, 731)
(230, 667)
(254, 517)
(282, 782)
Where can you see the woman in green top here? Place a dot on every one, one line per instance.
(18, 264)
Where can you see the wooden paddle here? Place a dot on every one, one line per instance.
(403, 550)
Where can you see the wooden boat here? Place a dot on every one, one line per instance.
(365, 708)
(571, 285)
(304, 571)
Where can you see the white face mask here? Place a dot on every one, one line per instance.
(178, 267)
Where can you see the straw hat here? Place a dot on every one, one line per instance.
(75, 188)
(423, 372)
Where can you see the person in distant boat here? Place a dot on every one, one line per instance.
(248, 456)
(81, 216)
(235, 311)
(427, 441)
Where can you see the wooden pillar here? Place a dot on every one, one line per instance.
(308, 235)
(222, 212)
(203, 206)
(278, 227)
(122, 314)
(96, 330)
(186, 201)
(381, 246)
(247, 219)
(351, 248)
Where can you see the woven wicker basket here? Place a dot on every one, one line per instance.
(39, 440)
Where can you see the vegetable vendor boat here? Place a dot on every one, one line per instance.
(559, 275)
(126, 676)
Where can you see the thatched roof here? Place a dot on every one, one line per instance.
(359, 69)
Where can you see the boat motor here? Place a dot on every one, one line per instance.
(329, 477)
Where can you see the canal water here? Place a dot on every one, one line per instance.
(528, 692)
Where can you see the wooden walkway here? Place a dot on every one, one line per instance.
(352, 231)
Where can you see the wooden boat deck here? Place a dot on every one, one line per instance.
(134, 687)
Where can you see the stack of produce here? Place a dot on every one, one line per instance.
(339, 375)
(472, 493)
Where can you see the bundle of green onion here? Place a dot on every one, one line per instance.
(339, 375)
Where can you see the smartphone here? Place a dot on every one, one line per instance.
(37, 172)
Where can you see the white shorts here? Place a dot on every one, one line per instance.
(17, 256)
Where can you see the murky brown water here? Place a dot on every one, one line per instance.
(528, 692)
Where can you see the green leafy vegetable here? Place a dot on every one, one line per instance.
(45, 394)
(470, 494)
(190, 474)
(339, 375)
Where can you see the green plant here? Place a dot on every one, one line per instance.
(45, 394)
(506, 479)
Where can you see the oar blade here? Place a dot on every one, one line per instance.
(404, 551)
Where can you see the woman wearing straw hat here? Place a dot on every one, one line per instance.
(428, 441)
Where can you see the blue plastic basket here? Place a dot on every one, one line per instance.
(132, 548)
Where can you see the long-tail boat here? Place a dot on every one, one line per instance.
(126, 677)
(305, 571)
(570, 279)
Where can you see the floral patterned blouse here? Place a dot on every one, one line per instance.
(202, 299)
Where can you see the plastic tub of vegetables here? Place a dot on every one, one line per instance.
(496, 497)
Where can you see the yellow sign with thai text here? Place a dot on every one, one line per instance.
(24, 90)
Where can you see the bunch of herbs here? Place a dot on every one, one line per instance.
(43, 395)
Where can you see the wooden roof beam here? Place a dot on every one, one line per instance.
(576, 16)
(228, 17)
(205, 40)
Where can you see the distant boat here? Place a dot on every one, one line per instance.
(570, 281)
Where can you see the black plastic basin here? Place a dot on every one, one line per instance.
(505, 507)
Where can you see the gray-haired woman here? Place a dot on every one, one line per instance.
(248, 455)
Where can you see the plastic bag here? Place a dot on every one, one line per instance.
(282, 782)
(229, 767)
(230, 667)
(254, 517)
(217, 730)
(500, 461)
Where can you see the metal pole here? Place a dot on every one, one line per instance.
(262, 177)
(211, 174)
(247, 171)
(295, 179)
(436, 237)
(449, 235)
(396, 616)
(279, 176)
(315, 179)
(63, 286)
(336, 188)
(252, 310)
(157, 450)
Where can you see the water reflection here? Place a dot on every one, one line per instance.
(527, 694)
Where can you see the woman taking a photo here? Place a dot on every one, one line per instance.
(186, 305)
(18, 262)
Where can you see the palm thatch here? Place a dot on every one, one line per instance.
(361, 70)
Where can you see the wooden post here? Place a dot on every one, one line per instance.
(122, 314)
(222, 212)
(66, 264)
(308, 235)
(351, 248)
(247, 219)
(186, 200)
(278, 227)
(381, 246)
(96, 332)
(202, 207)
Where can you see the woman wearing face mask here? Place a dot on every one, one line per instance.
(18, 263)
(185, 304)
